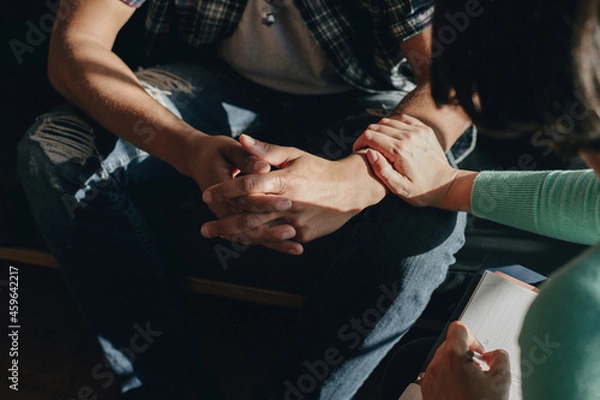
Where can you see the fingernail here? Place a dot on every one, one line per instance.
(250, 139)
(295, 252)
(283, 205)
(288, 235)
(372, 156)
(207, 197)
(205, 231)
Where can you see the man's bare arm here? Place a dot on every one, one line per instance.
(84, 69)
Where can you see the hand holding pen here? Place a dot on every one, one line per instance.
(462, 369)
(478, 359)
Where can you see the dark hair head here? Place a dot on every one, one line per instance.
(586, 56)
(511, 66)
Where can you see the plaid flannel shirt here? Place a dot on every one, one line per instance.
(360, 37)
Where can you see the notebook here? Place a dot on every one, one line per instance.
(495, 314)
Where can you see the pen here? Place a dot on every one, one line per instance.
(477, 359)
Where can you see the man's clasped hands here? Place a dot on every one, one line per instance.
(281, 197)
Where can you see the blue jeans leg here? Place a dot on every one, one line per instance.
(109, 257)
(385, 263)
(372, 278)
(78, 181)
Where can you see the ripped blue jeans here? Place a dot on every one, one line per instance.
(120, 222)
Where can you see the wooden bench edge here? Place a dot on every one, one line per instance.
(201, 286)
(196, 285)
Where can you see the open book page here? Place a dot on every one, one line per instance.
(412, 392)
(495, 315)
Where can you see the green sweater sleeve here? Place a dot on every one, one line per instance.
(560, 204)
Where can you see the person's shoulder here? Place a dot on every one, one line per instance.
(580, 277)
(560, 339)
(571, 292)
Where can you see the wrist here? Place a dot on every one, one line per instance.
(365, 188)
(458, 195)
(190, 144)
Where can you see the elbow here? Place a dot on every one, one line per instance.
(60, 53)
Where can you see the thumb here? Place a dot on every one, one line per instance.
(271, 153)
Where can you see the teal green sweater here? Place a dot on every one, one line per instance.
(560, 339)
(560, 204)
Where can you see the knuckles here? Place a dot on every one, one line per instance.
(281, 183)
(249, 221)
(249, 184)
(398, 150)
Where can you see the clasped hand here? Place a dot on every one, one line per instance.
(302, 198)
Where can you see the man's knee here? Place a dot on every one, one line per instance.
(52, 154)
(62, 136)
(411, 231)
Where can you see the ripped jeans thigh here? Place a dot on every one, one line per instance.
(65, 159)
(66, 153)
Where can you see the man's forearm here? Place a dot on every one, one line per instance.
(448, 122)
(100, 83)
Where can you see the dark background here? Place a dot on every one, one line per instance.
(26, 93)
(60, 335)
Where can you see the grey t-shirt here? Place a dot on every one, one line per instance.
(273, 47)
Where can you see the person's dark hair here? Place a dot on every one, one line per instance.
(586, 56)
(511, 66)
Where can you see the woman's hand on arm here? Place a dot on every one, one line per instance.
(451, 375)
(406, 156)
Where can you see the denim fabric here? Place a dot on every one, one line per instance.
(120, 221)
